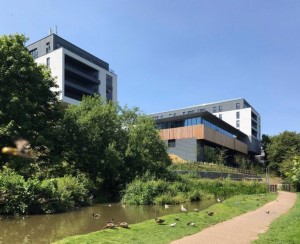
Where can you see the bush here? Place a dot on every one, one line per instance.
(33, 196)
(162, 192)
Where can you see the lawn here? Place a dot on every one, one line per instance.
(151, 232)
(285, 229)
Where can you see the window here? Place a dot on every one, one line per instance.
(238, 124)
(34, 53)
(220, 108)
(237, 115)
(191, 111)
(220, 116)
(172, 143)
(109, 87)
(183, 112)
(170, 115)
(48, 62)
(214, 109)
(48, 49)
(237, 106)
(174, 114)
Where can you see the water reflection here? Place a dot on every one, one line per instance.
(50, 228)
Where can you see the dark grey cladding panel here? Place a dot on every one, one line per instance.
(185, 148)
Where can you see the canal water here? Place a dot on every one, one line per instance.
(49, 228)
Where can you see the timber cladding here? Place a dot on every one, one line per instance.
(201, 132)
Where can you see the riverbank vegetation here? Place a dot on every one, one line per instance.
(151, 232)
(285, 229)
(157, 191)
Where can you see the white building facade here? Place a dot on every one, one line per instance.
(236, 112)
(77, 72)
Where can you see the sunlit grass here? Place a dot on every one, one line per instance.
(150, 232)
(285, 229)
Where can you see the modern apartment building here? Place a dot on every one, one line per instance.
(76, 71)
(193, 132)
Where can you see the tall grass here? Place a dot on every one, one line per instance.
(141, 192)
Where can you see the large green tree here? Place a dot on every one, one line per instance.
(28, 105)
(113, 145)
(282, 147)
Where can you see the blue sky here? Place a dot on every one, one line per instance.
(170, 54)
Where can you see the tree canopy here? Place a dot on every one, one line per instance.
(28, 104)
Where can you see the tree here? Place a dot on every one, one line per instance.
(282, 147)
(113, 145)
(28, 104)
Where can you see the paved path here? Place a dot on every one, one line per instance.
(244, 228)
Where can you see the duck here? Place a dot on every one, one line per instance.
(110, 226)
(22, 149)
(173, 225)
(196, 210)
(210, 213)
(218, 200)
(177, 218)
(183, 209)
(159, 221)
(124, 225)
(167, 206)
(95, 215)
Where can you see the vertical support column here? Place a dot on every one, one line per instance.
(200, 151)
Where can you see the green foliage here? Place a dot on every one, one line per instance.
(291, 170)
(28, 105)
(161, 192)
(282, 147)
(33, 196)
(116, 145)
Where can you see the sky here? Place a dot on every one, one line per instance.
(170, 54)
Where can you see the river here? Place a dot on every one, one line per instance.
(52, 227)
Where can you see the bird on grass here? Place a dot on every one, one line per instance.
(22, 149)
(177, 218)
(196, 210)
(183, 209)
(218, 200)
(210, 213)
(110, 226)
(173, 225)
(157, 220)
(191, 223)
(124, 225)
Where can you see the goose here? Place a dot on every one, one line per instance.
(183, 209)
(196, 209)
(173, 225)
(167, 206)
(21, 149)
(124, 225)
(210, 213)
(218, 200)
(177, 218)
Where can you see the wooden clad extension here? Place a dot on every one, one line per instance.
(202, 132)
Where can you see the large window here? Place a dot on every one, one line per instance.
(109, 87)
(237, 106)
(237, 115)
(214, 109)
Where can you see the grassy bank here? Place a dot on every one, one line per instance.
(285, 229)
(150, 232)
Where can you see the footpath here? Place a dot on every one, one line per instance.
(245, 228)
